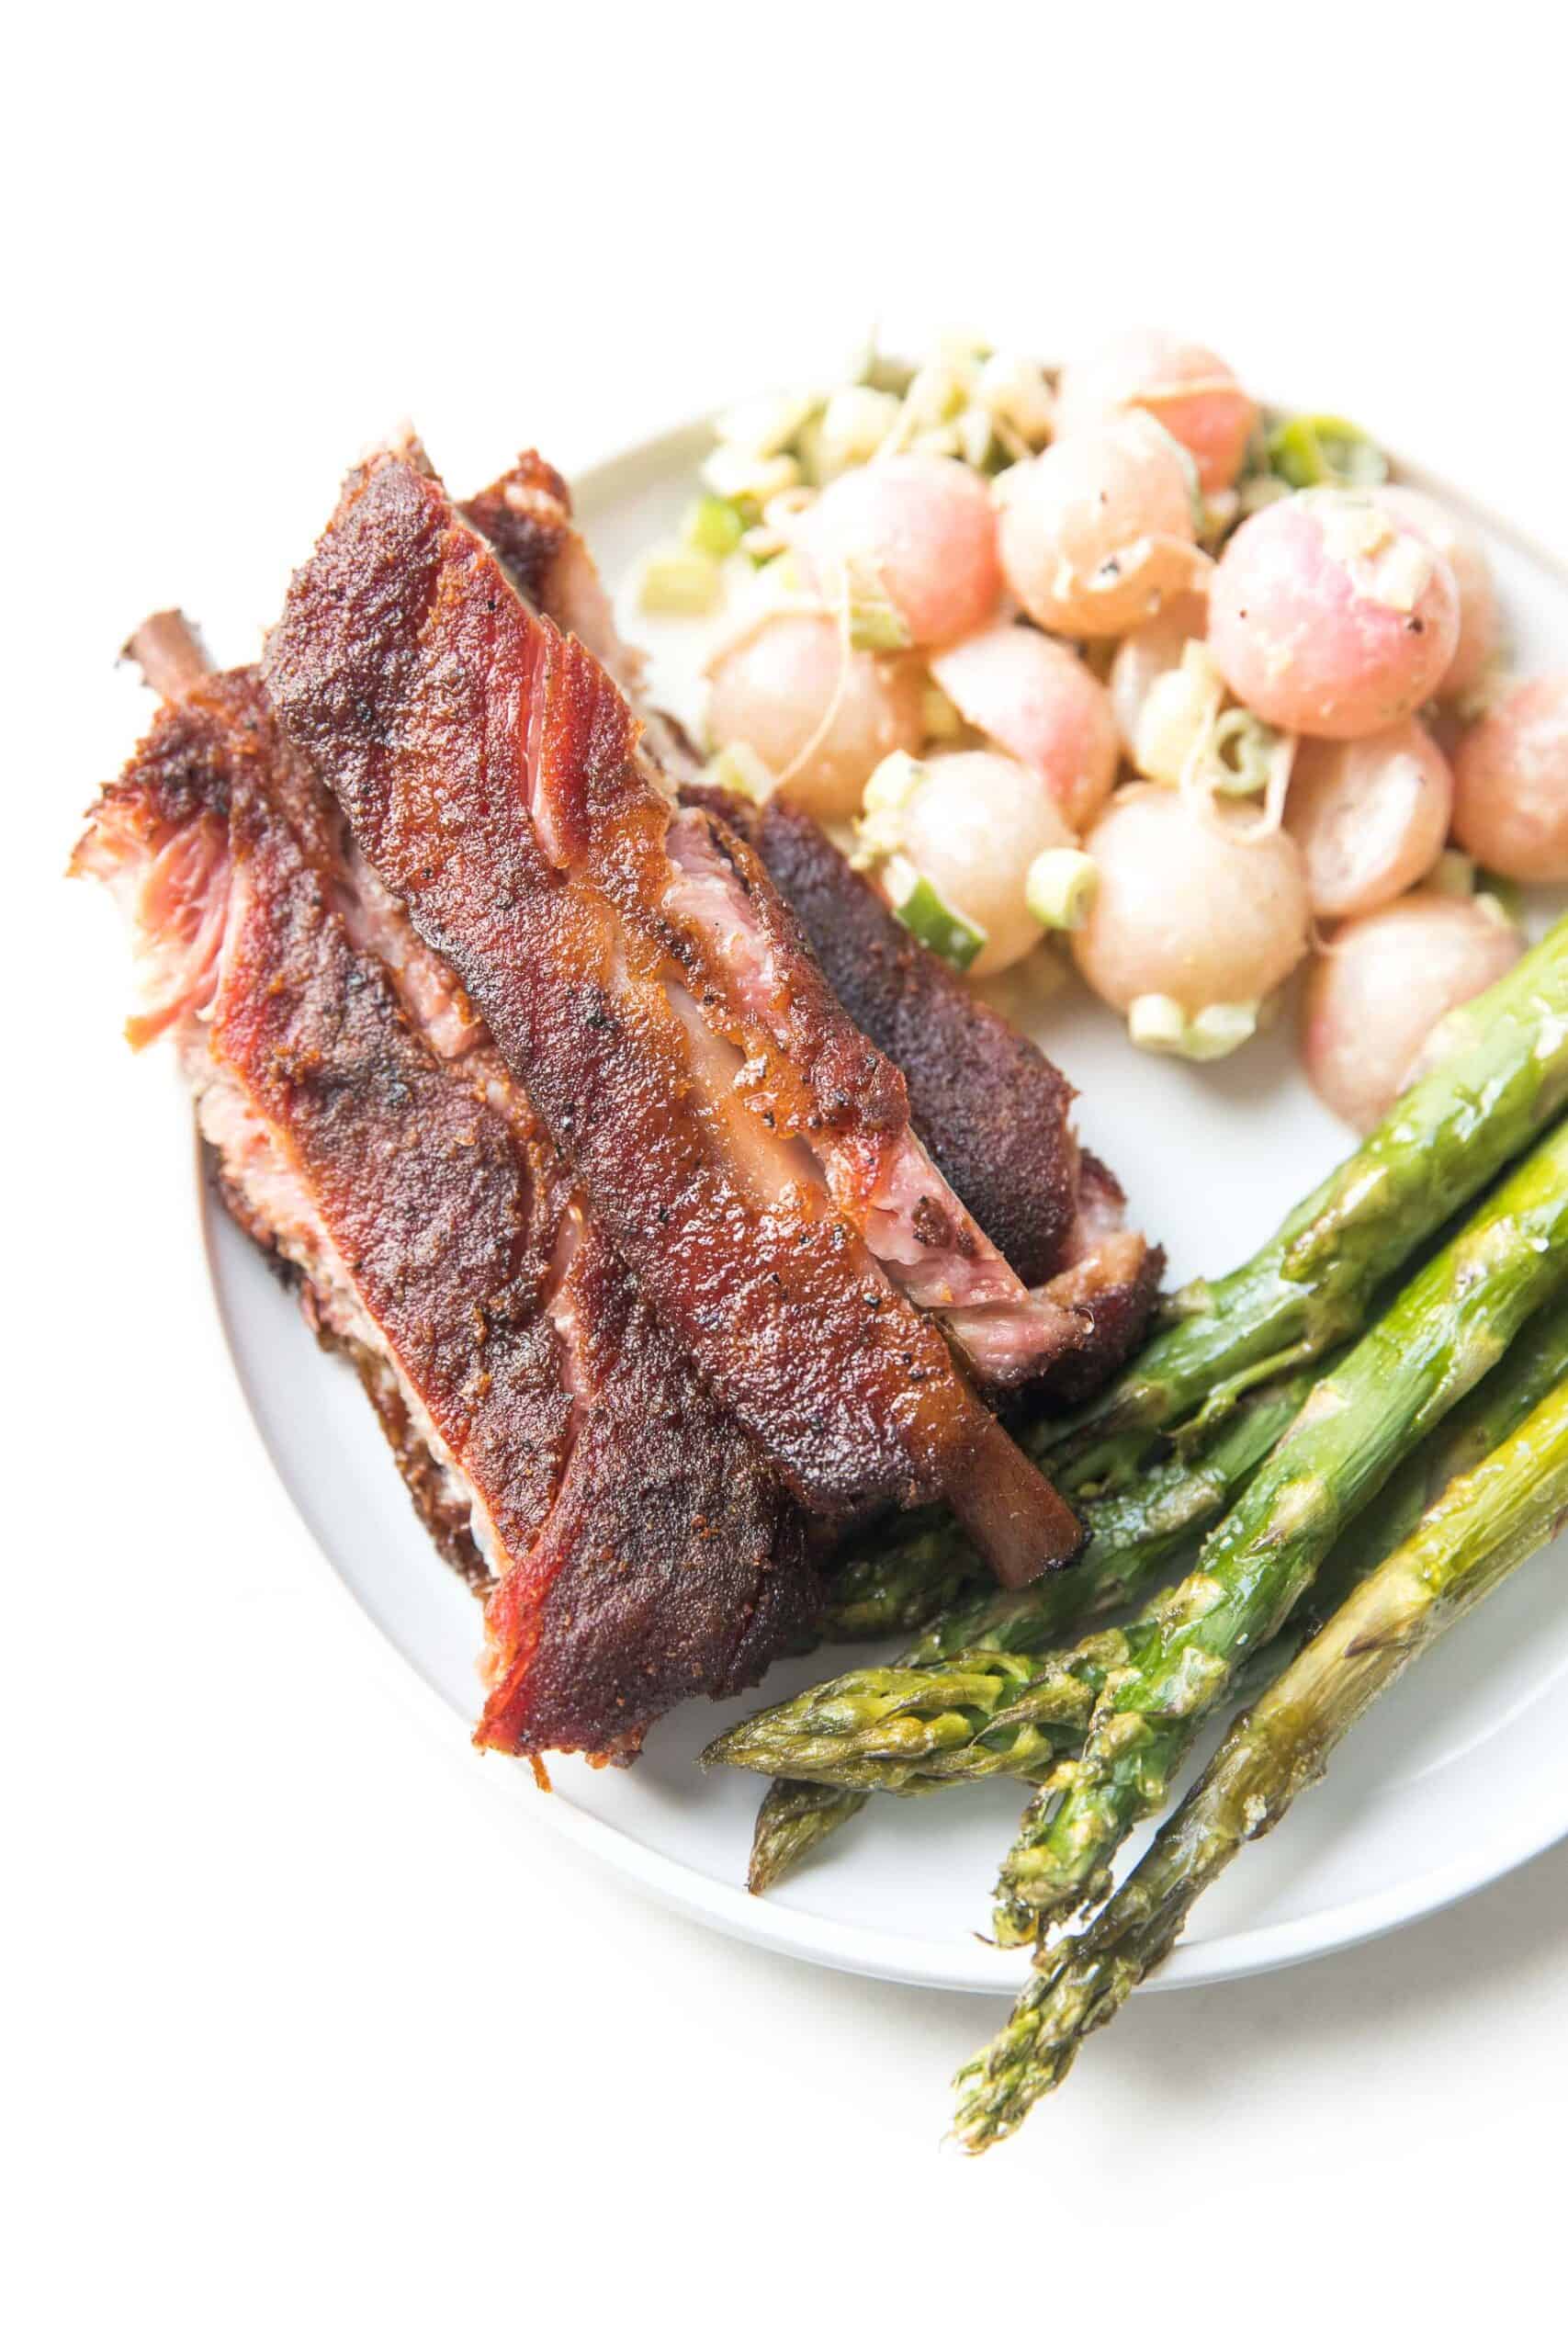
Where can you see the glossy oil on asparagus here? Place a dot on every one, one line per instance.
(1311, 1285)
(796, 1814)
(1488, 1521)
(902, 1713)
(1438, 1339)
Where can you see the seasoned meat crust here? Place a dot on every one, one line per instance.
(489, 769)
(994, 1113)
(526, 516)
(642, 1551)
(672, 1562)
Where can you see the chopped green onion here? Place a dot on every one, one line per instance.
(782, 575)
(765, 426)
(774, 533)
(741, 770)
(713, 527)
(884, 373)
(853, 428)
(1219, 1029)
(1453, 875)
(1258, 491)
(1242, 753)
(815, 471)
(1178, 714)
(1016, 394)
(963, 348)
(1308, 450)
(973, 427)
(941, 719)
(923, 909)
(680, 581)
(1060, 888)
(891, 783)
(737, 473)
(1500, 897)
(1158, 1025)
(936, 394)
(876, 626)
(879, 830)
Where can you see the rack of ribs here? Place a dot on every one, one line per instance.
(635, 1546)
(993, 1110)
(746, 1151)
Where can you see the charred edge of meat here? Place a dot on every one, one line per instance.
(992, 1111)
(402, 665)
(526, 516)
(810, 1071)
(1117, 1313)
(663, 1561)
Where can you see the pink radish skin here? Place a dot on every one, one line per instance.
(1511, 784)
(972, 826)
(1370, 818)
(774, 689)
(1374, 997)
(925, 528)
(1184, 911)
(1187, 387)
(1480, 628)
(1097, 532)
(1037, 701)
(1329, 616)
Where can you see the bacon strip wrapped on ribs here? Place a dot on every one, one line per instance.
(554, 1437)
(747, 1151)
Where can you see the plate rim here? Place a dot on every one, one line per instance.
(776, 1925)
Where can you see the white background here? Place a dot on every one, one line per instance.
(310, 2038)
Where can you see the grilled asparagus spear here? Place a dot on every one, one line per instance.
(1486, 1522)
(1442, 1335)
(885, 1750)
(1506, 1075)
(1134, 1535)
(882, 1753)
(1310, 1286)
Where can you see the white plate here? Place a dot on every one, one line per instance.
(1458, 1776)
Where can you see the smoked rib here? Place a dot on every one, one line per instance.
(736, 1141)
(993, 1110)
(641, 1552)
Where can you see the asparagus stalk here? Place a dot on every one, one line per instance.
(914, 1574)
(1508, 1071)
(979, 1668)
(899, 1574)
(1310, 1286)
(1486, 1522)
(893, 1727)
(792, 1819)
(1307, 1287)
(1442, 1335)
(796, 1814)
(1133, 1536)
(1534, 1365)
